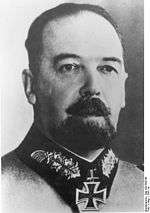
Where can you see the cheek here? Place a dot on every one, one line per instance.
(114, 94)
(57, 92)
(114, 90)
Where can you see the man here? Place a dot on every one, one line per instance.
(76, 84)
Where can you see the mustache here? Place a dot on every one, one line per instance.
(89, 107)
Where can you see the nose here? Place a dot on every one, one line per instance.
(91, 85)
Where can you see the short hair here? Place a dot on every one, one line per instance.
(34, 40)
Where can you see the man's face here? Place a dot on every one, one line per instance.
(80, 85)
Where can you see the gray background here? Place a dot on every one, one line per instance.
(17, 115)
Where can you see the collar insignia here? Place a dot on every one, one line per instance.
(65, 166)
(90, 195)
(108, 163)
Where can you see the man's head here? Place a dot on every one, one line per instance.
(76, 78)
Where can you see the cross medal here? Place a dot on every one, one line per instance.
(90, 195)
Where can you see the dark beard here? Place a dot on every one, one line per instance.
(78, 136)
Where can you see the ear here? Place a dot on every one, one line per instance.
(27, 79)
(123, 90)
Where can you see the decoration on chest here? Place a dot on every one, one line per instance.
(90, 195)
(55, 160)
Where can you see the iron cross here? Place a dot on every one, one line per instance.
(90, 194)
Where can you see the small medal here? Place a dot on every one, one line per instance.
(90, 195)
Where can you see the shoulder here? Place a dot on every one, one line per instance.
(10, 163)
(128, 188)
(130, 174)
(23, 190)
(12, 167)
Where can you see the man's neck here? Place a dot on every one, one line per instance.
(88, 155)
(92, 155)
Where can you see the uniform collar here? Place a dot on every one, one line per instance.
(74, 179)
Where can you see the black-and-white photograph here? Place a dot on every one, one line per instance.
(72, 106)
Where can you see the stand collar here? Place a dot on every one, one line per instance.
(81, 184)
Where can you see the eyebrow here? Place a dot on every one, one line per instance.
(63, 56)
(115, 59)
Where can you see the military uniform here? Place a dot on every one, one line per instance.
(40, 176)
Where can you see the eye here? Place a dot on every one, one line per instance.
(106, 69)
(67, 68)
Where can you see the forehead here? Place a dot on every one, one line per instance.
(86, 34)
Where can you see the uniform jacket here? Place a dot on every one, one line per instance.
(34, 180)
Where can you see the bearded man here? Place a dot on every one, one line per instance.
(76, 84)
